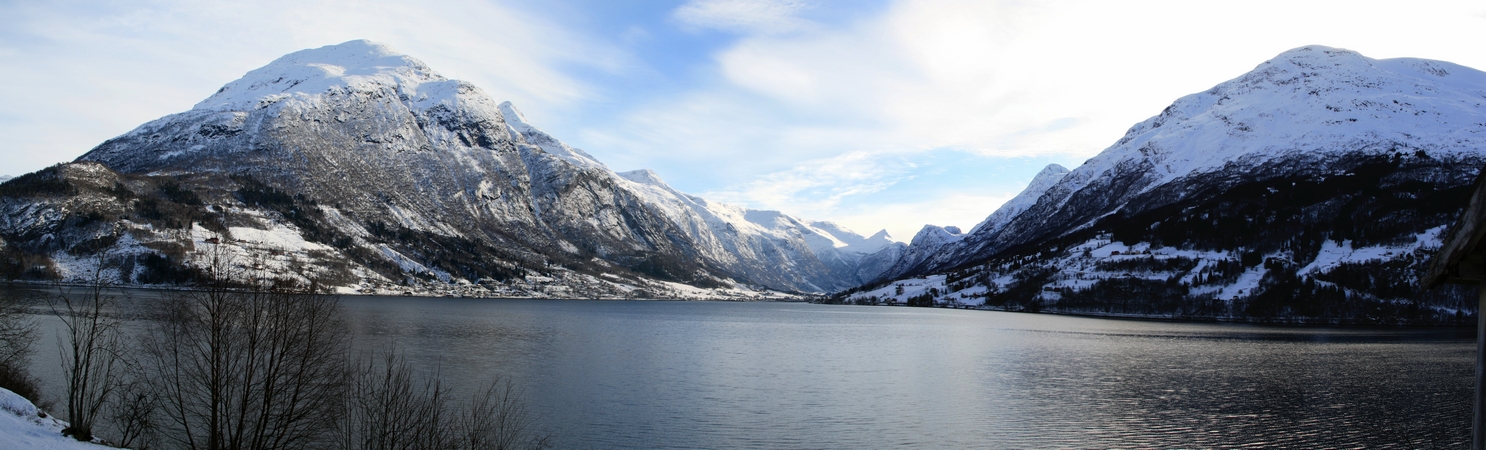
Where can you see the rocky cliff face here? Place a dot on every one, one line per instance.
(399, 172)
(1309, 187)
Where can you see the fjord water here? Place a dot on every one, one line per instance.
(610, 374)
(788, 375)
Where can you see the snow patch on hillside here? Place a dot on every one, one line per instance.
(278, 238)
(1335, 254)
(1081, 266)
(1247, 284)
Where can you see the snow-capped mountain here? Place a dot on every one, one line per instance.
(933, 245)
(377, 168)
(1317, 166)
(765, 245)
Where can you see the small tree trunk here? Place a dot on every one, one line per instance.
(91, 352)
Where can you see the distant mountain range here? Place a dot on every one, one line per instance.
(354, 167)
(1313, 188)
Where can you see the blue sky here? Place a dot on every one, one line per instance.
(874, 114)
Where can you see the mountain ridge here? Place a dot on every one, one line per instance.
(1145, 154)
(1230, 196)
(414, 177)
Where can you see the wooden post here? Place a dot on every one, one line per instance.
(1462, 259)
(1478, 426)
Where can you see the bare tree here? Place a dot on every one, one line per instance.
(388, 408)
(244, 364)
(17, 336)
(92, 349)
(247, 369)
(130, 416)
(498, 419)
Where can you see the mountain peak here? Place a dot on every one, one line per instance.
(1309, 99)
(1046, 179)
(1313, 52)
(1052, 171)
(371, 131)
(513, 116)
(353, 64)
(934, 235)
(642, 176)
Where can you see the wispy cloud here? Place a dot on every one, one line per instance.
(820, 184)
(743, 16)
(899, 192)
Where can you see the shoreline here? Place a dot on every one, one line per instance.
(1279, 323)
(1218, 320)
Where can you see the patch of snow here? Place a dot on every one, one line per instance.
(23, 426)
(1333, 254)
(278, 238)
(408, 264)
(1246, 284)
(1109, 249)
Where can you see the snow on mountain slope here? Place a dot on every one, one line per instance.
(933, 245)
(757, 242)
(926, 247)
(385, 151)
(352, 66)
(1301, 111)
(1046, 179)
(852, 241)
(1312, 189)
(532, 135)
(1311, 100)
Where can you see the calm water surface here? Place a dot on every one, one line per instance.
(607, 374)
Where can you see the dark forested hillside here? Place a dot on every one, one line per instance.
(1341, 245)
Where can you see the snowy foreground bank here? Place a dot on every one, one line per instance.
(23, 426)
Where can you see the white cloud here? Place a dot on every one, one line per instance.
(819, 185)
(1057, 79)
(866, 192)
(743, 16)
